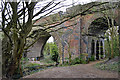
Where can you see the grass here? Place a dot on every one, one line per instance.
(111, 67)
(47, 60)
(74, 62)
(33, 64)
(30, 68)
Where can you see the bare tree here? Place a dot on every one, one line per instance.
(110, 16)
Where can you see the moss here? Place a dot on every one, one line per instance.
(33, 64)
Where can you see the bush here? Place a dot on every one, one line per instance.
(54, 53)
(78, 61)
(84, 62)
(92, 58)
(66, 63)
(84, 58)
(52, 50)
(75, 61)
(47, 60)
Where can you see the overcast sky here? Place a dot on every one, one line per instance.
(65, 3)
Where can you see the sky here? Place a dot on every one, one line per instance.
(65, 3)
(51, 39)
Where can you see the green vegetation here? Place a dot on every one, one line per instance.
(48, 48)
(92, 58)
(78, 60)
(47, 60)
(24, 62)
(52, 50)
(33, 64)
(111, 67)
(33, 68)
(112, 45)
(54, 55)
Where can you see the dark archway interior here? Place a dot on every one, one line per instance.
(101, 49)
(97, 50)
(99, 26)
(97, 29)
(92, 47)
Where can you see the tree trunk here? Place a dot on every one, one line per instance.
(14, 70)
(112, 50)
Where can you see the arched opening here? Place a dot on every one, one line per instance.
(35, 52)
(50, 52)
(101, 49)
(92, 47)
(98, 26)
(97, 50)
(98, 30)
(47, 47)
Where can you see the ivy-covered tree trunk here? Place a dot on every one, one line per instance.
(6, 55)
(12, 55)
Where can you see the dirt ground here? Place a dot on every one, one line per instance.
(76, 71)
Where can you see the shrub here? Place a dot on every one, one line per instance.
(75, 61)
(54, 54)
(84, 58)
(83, 61)
(66, 63)
(92, 58)
(79, 61)
(52, 50)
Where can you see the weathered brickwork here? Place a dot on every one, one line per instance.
(77, 38)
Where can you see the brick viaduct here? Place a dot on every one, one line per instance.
(80, 37)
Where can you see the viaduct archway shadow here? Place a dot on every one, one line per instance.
(97, 50)
(101, 49)
(92, 48)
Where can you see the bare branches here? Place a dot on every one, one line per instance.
(73, 16)
(61, 28)
(52, 10)
(44, 8)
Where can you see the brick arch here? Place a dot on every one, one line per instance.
(88, 19)
(85, 24)
(45, 41)
(36, 51)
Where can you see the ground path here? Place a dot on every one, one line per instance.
(76, 71)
